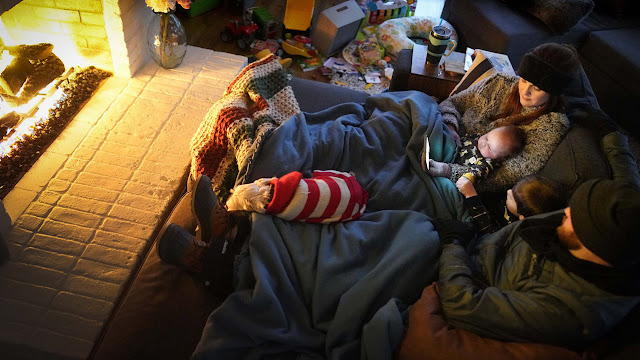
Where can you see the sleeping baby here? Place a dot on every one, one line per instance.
(479, 155)
(328, 196)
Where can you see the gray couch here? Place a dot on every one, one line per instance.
(164, 309)
(607, 39)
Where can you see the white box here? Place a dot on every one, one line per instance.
(336, 26)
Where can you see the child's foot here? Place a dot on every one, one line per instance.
(211, 216)
(177, 246)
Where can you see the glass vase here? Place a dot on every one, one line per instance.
(167, 40)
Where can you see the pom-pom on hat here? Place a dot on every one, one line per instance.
(604, 215)
(543, 75)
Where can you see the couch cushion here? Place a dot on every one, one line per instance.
(559, 15)
(480, 69)
(577, 158)
(478, 27)
(616, 53)
(495, 26)
(429, 336)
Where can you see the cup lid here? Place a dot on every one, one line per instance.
(441, 31)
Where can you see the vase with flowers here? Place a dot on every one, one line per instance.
(166, 38)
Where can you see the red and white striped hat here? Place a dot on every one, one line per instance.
(329, 196)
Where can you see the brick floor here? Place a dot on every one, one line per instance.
(88, 208)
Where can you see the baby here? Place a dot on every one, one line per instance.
(479, 154)
(532, 195)
(328, 196)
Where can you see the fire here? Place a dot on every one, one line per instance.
(28, 125)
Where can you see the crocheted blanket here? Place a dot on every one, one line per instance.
(256, 102)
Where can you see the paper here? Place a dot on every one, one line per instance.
(454, 63)
(500, 62)
(372, 79)
(340, 65)
(427, 149)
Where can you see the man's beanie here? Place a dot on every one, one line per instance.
(605, 215)
(543, 75)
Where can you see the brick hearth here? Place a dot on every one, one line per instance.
(88, 209)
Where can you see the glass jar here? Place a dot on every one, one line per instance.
(167, 40)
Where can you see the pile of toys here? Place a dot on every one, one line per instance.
(362, 56)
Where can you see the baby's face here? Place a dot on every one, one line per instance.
(493, 145)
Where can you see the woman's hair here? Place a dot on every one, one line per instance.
(537, 194)
(563, 57)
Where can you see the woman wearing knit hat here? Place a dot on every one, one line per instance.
(532, 101)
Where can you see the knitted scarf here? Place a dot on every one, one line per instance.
(256, 102)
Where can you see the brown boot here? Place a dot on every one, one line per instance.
(177, 246)
(212, 217)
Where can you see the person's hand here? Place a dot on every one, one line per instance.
(453, 231)
(454, 133)
(465, 186)
(437, 168)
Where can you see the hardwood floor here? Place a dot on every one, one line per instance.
(204, 31)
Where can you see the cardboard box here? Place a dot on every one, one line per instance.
(336, 26)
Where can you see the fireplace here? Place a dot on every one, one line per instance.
(89, 37)
(108, 34)
(87, 212)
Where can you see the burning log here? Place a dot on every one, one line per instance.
(44, 72)
(7, 123)
(33, 68)
(31, 52)
(15, 75)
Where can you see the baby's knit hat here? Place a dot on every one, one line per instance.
(604, 215)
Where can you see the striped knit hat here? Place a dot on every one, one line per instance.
(329, 196)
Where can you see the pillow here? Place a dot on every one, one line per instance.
(559, 15)
(429, 336)
(485, 64)
(614, 7)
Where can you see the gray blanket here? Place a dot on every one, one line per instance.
(338, 291)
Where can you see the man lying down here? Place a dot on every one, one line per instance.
(341, 291)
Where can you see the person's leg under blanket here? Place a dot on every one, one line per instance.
(312, 287)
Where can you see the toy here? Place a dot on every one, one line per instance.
(378, 12)
(242, 30)
(268, 27)
(299, 45)
(298, 14)
(369, 53)
(285, 63)
(259, 45)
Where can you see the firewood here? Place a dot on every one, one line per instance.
(10, 120)
(44, 72)
(15, 75)
(31, 52)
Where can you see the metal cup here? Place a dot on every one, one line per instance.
(439, 40)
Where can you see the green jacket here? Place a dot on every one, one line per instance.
(506, 291)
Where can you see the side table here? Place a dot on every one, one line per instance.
(412, 72)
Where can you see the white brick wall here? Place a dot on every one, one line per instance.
(109, 34)
(74, 28)
(85, 213)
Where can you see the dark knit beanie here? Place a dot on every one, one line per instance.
(605, 215)
(543, 75)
